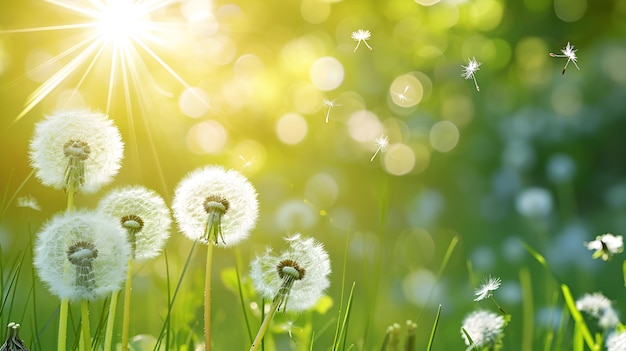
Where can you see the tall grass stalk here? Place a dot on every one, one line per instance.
(207, 298)
(343, 288)
(580, 326)
(108, 336)
(527, 309)
(240, 292)
(126, 318)
(85, 331)
(266, 323)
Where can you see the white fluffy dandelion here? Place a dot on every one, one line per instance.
(606, 245)
(485, 328)
(490, 285)
(600, 307)
(214, 205)
(569, 52)
(81, 150)
(361, 35)
(144, 215)
(469, 71)
(616, 341)
(294, 279)
(82, 255)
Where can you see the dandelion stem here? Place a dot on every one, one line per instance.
(62, 325)
(265, 325)
(497, 305)
(126, 319)
(207, 298)
(108, 337)
(84, 312)
(70, 197)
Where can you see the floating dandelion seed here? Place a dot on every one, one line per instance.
(606, 245)
(247, 163)
(361, 35)
(121, 31)
(28, 201)
(382, 142)
(330, 104)
(490, 285)
(569, 52)
(469, 71)
(402, 96)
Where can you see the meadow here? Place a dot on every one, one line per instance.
(438, 158)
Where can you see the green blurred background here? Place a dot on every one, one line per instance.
(535, 156)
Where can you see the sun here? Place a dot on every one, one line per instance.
(122, 34)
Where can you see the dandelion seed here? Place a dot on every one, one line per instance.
(296, 279)
(361, 35)
(402, 96)
(606, 245)
(143, 214)
(13, 341)
(82, 255)
(382, 142)
(469, 71)
(330, 104)
(485, 329)
(247, 163)
(490, 285)
(28, 201)
(81, 150)
(569, 52)
(215, 206)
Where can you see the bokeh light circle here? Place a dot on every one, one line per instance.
(364, 126)
(406, 91)
(444, 136)
(399, 159)
(314, 11)
(570, 10)
(322, 190)
(291, 128)
(194, 102)
(326, 73)
(207, 137)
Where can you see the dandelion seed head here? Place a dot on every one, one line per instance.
(600, 307)
(490, 285)
(485, 328)
(616, 341)
(81, 144)
(306, 263)
(82, 255)
(143, 214)
(209, 195)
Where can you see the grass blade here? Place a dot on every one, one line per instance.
(432, 332)
(581, 326)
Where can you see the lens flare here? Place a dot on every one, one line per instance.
(120, 33)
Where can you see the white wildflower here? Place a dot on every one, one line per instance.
(606, 245)
(215, 206)
(469, 71)
(569, 52)
(361, 35)
(294, 279)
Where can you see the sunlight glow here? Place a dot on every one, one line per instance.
(121, 33)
